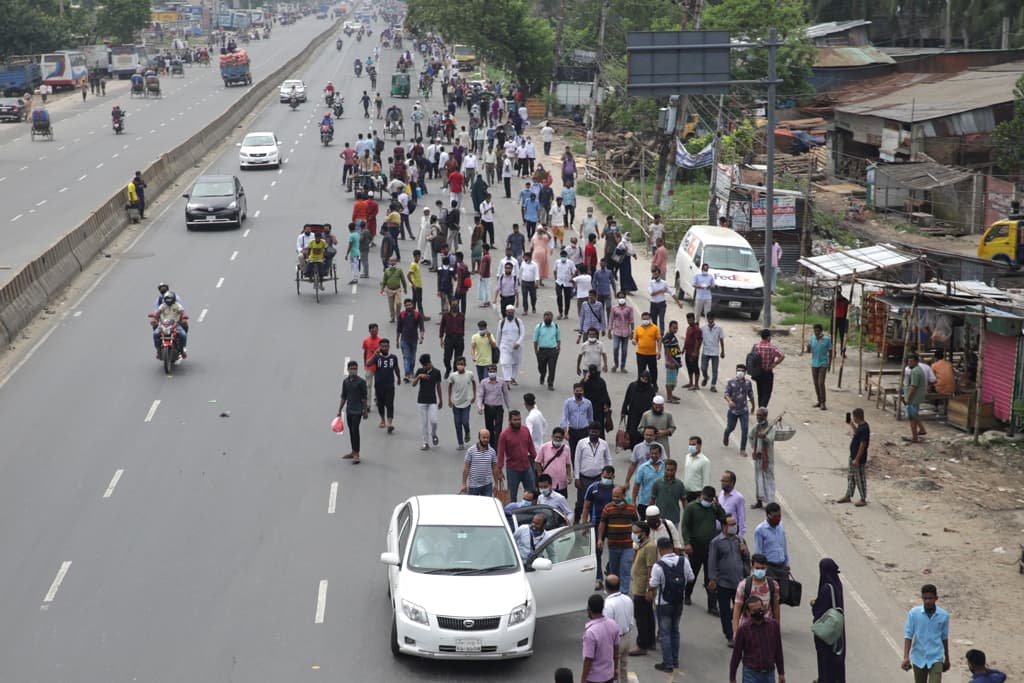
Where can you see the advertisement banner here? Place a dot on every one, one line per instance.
(783, 217)
(699, 160)
(164, 17)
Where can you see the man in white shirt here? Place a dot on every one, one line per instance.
(424, 231)
(507, 171)
(696, 470)
(524, 164)
(469, 167)
(430, 152)
(528, 275)
(668, 615)
(487, 218)
(509, 258)
(619, 608)
(582, 283)
(531, 154)
(657, 289)
(547, 495)
(565, 271)
(535, 421)
(703, 283)
(547, 136)
(589, 225)
(510, 342)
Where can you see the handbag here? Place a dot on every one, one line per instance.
(501, 492)
(609, 423)
(792, 590)
(829, 626)
(622, 437)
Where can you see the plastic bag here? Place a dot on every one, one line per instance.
(337, 425)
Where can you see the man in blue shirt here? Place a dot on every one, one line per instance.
(547, 342)
(820, 348)
(648, 473)
(524, 196)
(926, 638)
(770, 541)
(603, 282)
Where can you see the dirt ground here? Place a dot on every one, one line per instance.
(947, 511)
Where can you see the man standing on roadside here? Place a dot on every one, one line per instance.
(926, 638)
(140, 189)
(547, 343)
(820, 347)
(771, 357)
(712, 348)
(480, 470)
(914, 387)
(600, 643)
(856, 473)
(703, 283)
(692, 344)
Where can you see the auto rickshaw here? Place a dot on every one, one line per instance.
(138, 86)
(400, 85)
(152, 85)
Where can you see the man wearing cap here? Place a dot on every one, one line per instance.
(662, 421)
(510, 340)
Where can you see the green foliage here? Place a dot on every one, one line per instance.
(751, 20)
(121, 19)
(1008, 138)
(32, 27)
(524, 46)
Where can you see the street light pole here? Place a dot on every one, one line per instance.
(769, 214)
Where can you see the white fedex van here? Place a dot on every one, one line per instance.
(730, 258)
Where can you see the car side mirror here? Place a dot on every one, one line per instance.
(279, 143)
(391, 559)
(185, 195)
(541, 564)
(238, 144)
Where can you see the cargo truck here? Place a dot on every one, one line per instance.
(1003, 241)
(18, 77)
(234, 68)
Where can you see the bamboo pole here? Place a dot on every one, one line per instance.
(860, 340)
(906, 345)
(883, 355)
(803, 322)
(981, 368)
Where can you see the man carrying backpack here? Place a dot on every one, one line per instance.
(667, 589)
(762, 360)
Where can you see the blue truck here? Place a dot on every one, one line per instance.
(234, 68)
(19, 77)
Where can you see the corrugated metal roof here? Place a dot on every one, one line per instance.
(830, 27)
(940, 96)
(850, 261)
(836, 57)
(922, 175)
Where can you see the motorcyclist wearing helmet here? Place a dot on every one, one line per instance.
(327, 121)
(394, 114)
(162, 290)
(171, 309)
(358, 66)
(116, 113)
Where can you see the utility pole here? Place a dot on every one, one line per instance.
(669, 189)
(596, 89)
(1004, 44)
(715, 141)
(769, 214)
(558, 57)
(949, 29)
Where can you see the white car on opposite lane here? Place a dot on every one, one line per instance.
(285, 91)
(259, 149)
(458, 587)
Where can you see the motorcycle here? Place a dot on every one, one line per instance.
(170, 347)
(339, 107)
(337, 44)
(119, 125)
(293, 102)
(329, 99)
(326, 135)
(359, 37)
(358, 67)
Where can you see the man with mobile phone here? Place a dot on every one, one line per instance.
(856, 474)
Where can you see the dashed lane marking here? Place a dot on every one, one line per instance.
(152, 411)
(57, 581)
(113, 483)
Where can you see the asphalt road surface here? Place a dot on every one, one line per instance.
(179, 528)
(50, 187)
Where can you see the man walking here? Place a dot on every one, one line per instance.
(510, 340)
(428, 400)
(554, 460)
(516, 455)
(926, 638)
(657, 290)
(667, 590)
(577, 414)
(590, 457)
(355, 398)
(393, 284)
(620, 329)
(644, 558)
(696, 469)
(461, 397)
(820, 348)
(480, 468)
(410, 335)
(856, 473)
(616, 532)
(771, 357)
(699, 528)
(712, 348)
(493, 401)
(692, 344)
(565, 271)
(547, 343)
(600, 644)
(385, 376)
(452, 335)
(662, 421)
(484, 348)
(739, 395)
(770, 541)
(669, 493)
(536, 424)
(647, 339)
(727, 556)
(619, 608)
(759, 647)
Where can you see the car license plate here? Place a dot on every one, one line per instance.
(735, 304)
(211, 218)
(468, 645)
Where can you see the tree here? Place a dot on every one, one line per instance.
(31, 27)
(750, 20)
(121, 19)
(1008, 137)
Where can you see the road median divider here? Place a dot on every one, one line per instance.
(41, 280)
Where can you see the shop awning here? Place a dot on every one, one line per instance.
(844, 263)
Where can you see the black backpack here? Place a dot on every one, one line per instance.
(754, 367)
(673, 591)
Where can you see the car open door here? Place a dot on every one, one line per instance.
(566, 586)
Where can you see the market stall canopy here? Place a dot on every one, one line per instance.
(840, 264)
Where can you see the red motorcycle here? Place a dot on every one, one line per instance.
(170, 347)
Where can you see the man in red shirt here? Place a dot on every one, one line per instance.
(659, 259)
(372, 209)
(590, 254)
(771, 356)
(691, 351)
(455, 182)
(360, 211)
(349, 156)
(516, 455)
(370, 345)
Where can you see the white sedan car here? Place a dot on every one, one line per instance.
(285, 92)
(458, 587)
(259, 149)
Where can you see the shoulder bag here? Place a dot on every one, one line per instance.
(828, 628)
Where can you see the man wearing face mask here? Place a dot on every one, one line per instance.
(516, 454)
(739, 395)
(577, 414)
(662, 421)
(492, 402)
(592, 316)
(547, 495)
(645, 555)
(696, 470)
(614, 535)
(663, 528)
(759, 647)
(510, 339)
(712, 349)
(547, 344)
(648, 473)
(529, 536)
(732, 501)
(592, 352)
(620, 329)
(770, 541)
(565, 288)
(596, 497)
(641, 453)
(669, 494)
(554, 459)
(589, 458)
(639, 395)
(699, 529)
(647, 340)
(354, 394)
(759, 584)
(703, 283)
(727, 555)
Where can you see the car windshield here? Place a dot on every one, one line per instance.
(258, 141)
(740, 259)
(462, 50)
(462, 549)
(220, 188)
(290, 84)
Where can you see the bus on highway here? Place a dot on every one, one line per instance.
(125, 60)
(64, 69)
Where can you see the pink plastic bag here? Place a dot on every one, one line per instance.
(337, 425)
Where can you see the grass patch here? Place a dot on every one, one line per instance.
(689, 201)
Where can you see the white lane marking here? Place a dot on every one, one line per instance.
(152, 410)
(57, 581)
(286, 158)
(63, 189)
(246, 233)
(23, 168)
(265, 197)
(332, 498)
(77, 139)
(351, 321)
(124, 147)
(821, 551)
(301, 134)
(92, 132)
(354, 290)
(40, 203)
(113, 484)
(76, 314)
(273, 182)
(116, 155)
(220, 282)
(42, 157)
(3, 179)
(61, 147)
(82, 177)
(99, 165)
(202, 314)
(163, 124)
(17, 217)
(321, 602)
(280, 171)
(290, 151)
(152, 130)
(139, 139)
(234, 255)
(255, 215)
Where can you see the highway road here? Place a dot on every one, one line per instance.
(50, 187)
(181, 528)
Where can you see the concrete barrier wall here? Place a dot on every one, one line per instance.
(42, 279)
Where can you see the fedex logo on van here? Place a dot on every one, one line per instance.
(730, 276)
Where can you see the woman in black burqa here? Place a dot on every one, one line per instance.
(831, 658)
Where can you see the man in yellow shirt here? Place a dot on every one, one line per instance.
(647, 340)
(415, 277)
(316, 255)
(483, 346)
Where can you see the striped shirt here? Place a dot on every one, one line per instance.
(618, 524)
(481, 463)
